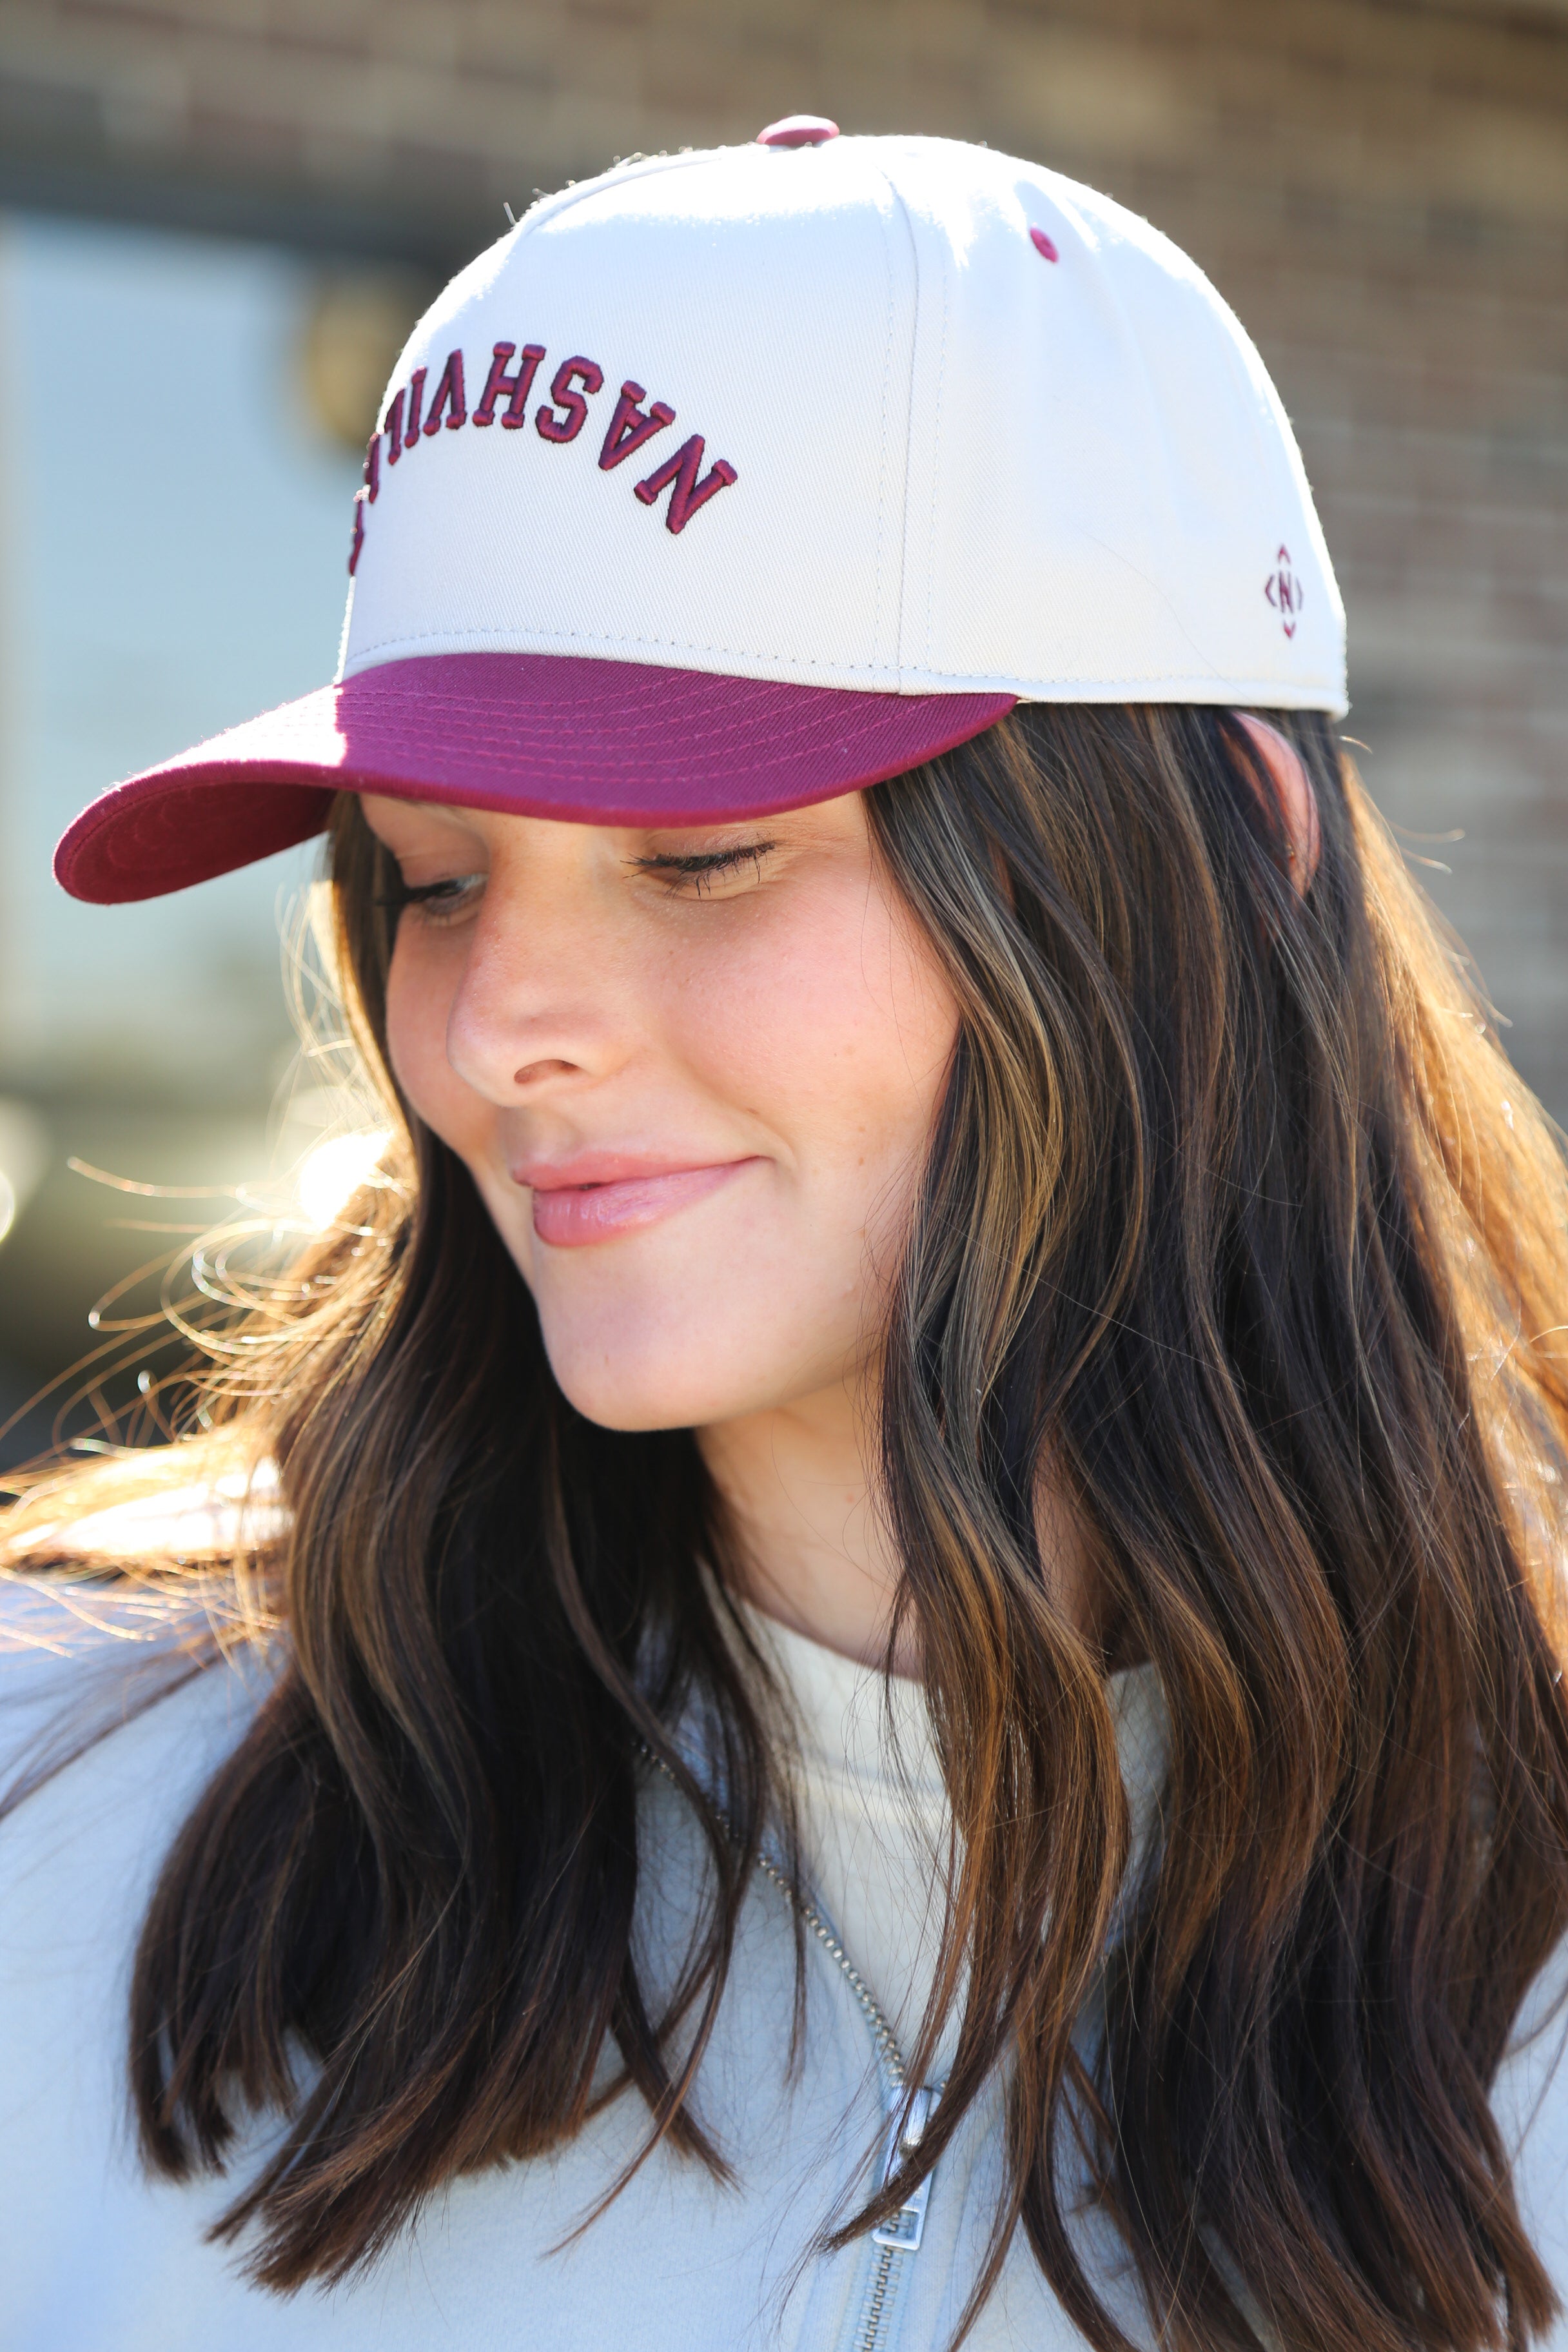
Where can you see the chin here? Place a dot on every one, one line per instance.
(638, 1386)
(643, 1373)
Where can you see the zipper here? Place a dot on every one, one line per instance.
(908, 2112)
(902, 2233)
(908, 2115)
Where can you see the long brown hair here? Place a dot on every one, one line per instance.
(1238, 1233)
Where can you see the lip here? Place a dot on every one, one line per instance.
(603, 1194)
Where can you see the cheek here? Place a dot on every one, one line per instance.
(420, 988)
(838, 1031)
(817, 1039)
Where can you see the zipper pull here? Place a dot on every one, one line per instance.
(903, 2228)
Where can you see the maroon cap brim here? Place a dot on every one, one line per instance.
(554, 735)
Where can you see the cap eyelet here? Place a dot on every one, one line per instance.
(1043, 244)
(798, 130)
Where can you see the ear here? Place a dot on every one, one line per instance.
(1280, 769)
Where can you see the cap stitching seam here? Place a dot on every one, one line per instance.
(1001, 680)
(596, 638)
(935, 477)
(878, 637)
(908, 420)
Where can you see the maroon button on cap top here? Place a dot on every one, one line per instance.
(798, 130)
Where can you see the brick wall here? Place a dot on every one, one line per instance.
(1379, 186)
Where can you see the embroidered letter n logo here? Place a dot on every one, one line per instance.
(688, 493)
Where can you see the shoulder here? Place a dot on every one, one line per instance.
(115, 1710)
(118, 1585)
(1530, 2100)
(113, 1694)
(110, 1725)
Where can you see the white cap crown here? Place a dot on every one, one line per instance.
(895, 414)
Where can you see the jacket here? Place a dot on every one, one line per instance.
(96, 2256)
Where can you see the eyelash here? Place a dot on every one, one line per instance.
(706, 865)
(439, 902)
(445, 901)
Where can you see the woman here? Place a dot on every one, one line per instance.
(873, 1655)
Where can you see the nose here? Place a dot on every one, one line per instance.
(532, 1012)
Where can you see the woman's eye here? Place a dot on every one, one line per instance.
(443, 902)
(695, 875)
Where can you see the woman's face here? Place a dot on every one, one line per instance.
(692, 1074)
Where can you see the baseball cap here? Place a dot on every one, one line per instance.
(730, 481)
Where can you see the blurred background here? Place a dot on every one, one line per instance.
(218, 218)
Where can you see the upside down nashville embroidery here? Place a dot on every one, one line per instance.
(558, 419)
